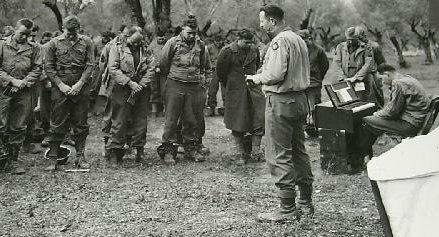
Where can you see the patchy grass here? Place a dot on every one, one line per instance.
(214, 198)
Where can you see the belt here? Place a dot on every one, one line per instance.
(69, 70)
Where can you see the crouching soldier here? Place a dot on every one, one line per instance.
(69, 64)
(185, 65)
(20, 67)
(131, 67)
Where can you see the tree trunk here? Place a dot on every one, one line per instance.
(161, 14)
(136, 12)
(401, 60)
(427, 49)
(52, 5)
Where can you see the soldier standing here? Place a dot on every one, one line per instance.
(185, 64)
(107, 84)
(244, 108)
(157, 82)
(69, 64)
(130, 66)
(284, 79)
(354, 62)
(20, 68)
(214, 49)
(45, 96)
(319, 65)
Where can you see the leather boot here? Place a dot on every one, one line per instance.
(120, 153)
(305, 200)
(52, 156)
(167, 152)
(191, 153)
(4, 156)
(285, 213)
(240, 155)
(3, 159)
(140, 154)
(16, 166)
(257, 153)
(80, 159)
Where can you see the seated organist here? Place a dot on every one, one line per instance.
(403, 115)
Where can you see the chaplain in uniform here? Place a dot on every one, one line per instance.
(284, 79)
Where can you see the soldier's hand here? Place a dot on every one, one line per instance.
(135, 87)
(351, 79)
(250, 81)
(65, 89)
(18, 83)
(144, 84)
(14, 89)
(76, 88)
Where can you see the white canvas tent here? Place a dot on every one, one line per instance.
(407, 178)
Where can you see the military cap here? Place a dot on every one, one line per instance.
(245, 34)
(64, 153)
(71, 22)
(350, 33)
(191, 21)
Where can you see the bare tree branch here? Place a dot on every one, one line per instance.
(52, 5)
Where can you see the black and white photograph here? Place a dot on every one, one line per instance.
(291, 118)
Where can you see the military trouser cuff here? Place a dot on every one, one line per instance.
(287, 194)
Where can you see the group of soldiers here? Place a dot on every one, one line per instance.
(272, 95)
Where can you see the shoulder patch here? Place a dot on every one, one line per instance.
(275, 46)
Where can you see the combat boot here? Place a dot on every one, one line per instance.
(305, 201)
(106, 152)
(257, 153)
(68, 141)
(31, 148)
(4, 156)
(240, 154)
(45, 142)
(52, 156)
(167, 152)
(205, 151)
(80, 159)
(3, 159)
(112, 158)
(15, 165)
(191, 153)
(140, 154)
(287, 212)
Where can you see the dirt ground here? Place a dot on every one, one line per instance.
(214, 198)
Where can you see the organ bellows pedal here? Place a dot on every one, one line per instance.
(336, 121)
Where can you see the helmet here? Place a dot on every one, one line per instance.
(64, 153)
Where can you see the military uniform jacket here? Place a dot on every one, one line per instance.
(69, 62)
(286, 64)
(319, 65)
(185, 63)
(19, 61)
(121, 64)
(359, 64)
(244, 104)
(409, 101)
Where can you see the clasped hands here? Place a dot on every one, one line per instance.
(20, 84)
(250, 80)
(71, 90)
